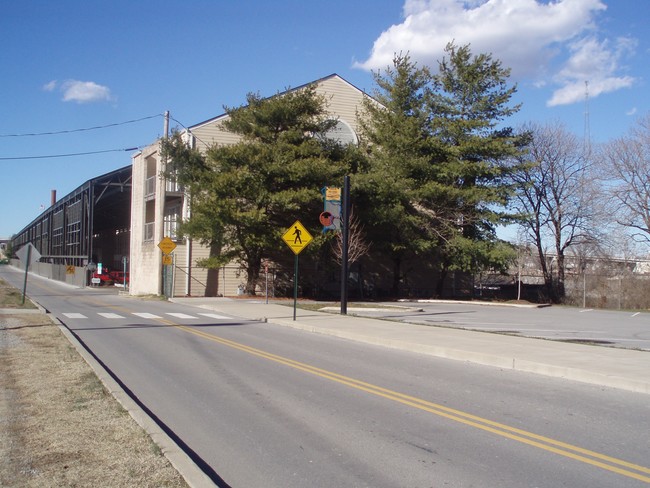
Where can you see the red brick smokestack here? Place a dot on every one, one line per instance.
(53, 198)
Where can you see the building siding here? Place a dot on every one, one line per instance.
(343, 102)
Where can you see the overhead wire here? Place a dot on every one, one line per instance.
(48, 156)
(82, 129)
(188, 130)
(15, 158)
(69, 155)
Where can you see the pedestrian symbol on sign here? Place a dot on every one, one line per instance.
(297, 233)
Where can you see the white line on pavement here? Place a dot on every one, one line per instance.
(181, 315)
(75, 315)
(146, 315)
(215, 316)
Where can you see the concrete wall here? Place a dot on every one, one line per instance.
(145, 263)
(72, 275)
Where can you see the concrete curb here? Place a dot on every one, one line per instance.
(483, 304)
(187, 468)
(485, 359)
(19, 311)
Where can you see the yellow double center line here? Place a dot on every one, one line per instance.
(562, 448)
(577, 453)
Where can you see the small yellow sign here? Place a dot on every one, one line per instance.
(167, 245)
(297, 237)
(333, 193)
(69, 269)
(167, 260)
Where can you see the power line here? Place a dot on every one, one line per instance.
(81, 130)
(188, 130)
(69, 155)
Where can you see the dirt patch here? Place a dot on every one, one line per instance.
(59, 427)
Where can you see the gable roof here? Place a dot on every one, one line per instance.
(320, 81)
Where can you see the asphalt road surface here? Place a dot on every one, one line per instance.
(268, 406)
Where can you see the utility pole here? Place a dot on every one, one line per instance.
(345, 234)
(164, 269)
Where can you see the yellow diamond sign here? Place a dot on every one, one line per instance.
(297, 237)
(167, 245)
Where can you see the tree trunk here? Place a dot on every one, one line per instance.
(548, 275)
(253, 274)
(397, 271)
(440, 285)
(560, 290)
(212, 283)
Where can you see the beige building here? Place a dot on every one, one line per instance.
(158, 206)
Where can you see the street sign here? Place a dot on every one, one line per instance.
(297, 237)
(332, 193)
(28, 253)
(167, 245)
(167, 260)
(331, 217)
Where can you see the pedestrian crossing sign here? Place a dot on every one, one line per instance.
(297, 237)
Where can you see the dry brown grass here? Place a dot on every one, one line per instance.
(58, 425)
(12, 298)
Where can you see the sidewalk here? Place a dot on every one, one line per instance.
(617, 368)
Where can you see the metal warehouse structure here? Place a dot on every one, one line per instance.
(89, 225)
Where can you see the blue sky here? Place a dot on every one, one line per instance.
(72, 64)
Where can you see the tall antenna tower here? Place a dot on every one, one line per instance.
(587, 133)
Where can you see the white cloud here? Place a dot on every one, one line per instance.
(83, 91)
(546, 43)
(595, 62)
(51, 86)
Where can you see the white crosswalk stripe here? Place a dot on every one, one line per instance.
(179, 315)
(215, 316)
(75, 315)
(145, 315)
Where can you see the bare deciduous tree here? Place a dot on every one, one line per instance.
(556, 198)
(357, 245)
(625, 165)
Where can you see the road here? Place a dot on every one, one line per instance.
(268, 406)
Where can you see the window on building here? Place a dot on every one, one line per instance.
(171, 221)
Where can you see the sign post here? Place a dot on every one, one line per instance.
(297, 238)
(345, 235)
(167, 246)
(28, 254)
(91, 267)
(125, 261)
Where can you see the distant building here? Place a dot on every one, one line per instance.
(158, 205)
(88, 225)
